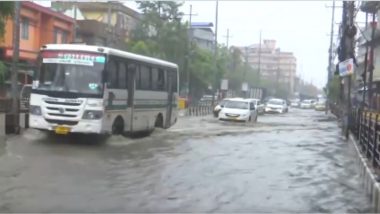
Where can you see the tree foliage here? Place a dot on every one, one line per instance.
(162, 34)
(6, 10)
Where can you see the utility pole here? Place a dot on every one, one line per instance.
(108, 39)
(188, 58)
(329, 70)
(371, 58)
(259, 57)
(14, 67)
(216, 49)
(228, 36)
(365, 65)
(75, 22)
(346, 52)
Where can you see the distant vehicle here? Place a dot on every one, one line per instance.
(307, 104)
(276, 106)
(320, 105)
(101, 90)
(258, 105)
(219, 106)
(238, 110)
(295, 103)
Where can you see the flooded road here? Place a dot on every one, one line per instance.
(296, 162)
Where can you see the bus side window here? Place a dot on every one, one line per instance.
(155, 79)
(112, 74)
(145, 78)
(122, 78)
(174, 80)
(161, 80)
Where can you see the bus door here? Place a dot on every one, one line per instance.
(169, 109)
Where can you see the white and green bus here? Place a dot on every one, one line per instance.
(92, 89)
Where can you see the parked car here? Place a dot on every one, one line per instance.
(320, 105)
(260, 107)
(307, 104)
(276, 106)
(239, 110)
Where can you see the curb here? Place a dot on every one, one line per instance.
(371, 185)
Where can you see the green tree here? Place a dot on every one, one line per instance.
(6, 10)
(3, 72)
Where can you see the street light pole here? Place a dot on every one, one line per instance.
(330, 57)
(216, 48)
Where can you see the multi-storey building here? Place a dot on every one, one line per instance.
(272, 63)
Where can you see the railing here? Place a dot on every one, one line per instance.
(365, 126)
(199, 111)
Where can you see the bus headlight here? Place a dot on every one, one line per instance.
(35, 110)
(92, 115)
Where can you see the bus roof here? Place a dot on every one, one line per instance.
(106, 50)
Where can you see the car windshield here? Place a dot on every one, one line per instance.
(275, 102)
(237, 105)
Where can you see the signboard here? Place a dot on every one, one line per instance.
(72, 57)
(224, 85)
(346, 67)
(244, 86)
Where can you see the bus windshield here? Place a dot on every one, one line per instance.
(71, 75)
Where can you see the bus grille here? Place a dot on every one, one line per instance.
(62, 122)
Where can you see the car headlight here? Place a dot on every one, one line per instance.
(35, 110)
(92, 115)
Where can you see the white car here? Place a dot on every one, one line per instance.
(307, 104)
(258, 105)
(276, 106)
(238, 110)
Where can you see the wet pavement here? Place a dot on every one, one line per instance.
(295, 162)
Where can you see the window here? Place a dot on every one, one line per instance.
(123, 80)
(25, 28)
(112, 74)
(161, 80)
(145, 78)
(252, 106)
(155, 79)
(56, 32)
(174, 77)
(64, 37)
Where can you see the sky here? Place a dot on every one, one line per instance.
(301, 27)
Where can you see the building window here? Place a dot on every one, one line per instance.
(64, 37)
(56, 32)
(25, 28)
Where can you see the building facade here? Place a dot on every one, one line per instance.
(202, 35)
(38, 26)
(102, 23)
(272, 63)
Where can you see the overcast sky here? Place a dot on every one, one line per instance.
(302, 27)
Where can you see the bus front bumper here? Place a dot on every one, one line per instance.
(83, 126)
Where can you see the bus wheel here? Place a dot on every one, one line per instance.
(159, 121)
(118, 126)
